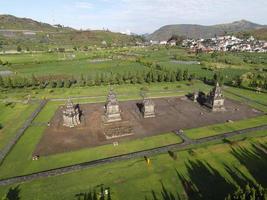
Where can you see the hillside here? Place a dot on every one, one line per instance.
(200, 31)
(10, 22)
(260, 34)
(33, 35)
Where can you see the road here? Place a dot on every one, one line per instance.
(150, 152)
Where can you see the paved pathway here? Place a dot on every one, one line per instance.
(181, 134)
(13, 141)
(150, 152)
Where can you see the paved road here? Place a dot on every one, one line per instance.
(150, 152)
(20, 132)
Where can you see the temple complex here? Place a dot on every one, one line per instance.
(215, 99)
(113, 112)
(71, 115)
(148, 108)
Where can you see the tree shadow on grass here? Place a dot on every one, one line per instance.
(238, 176)
(13, 193)
(164, 194)
(205, 182)
(96, 194)
(255, 160)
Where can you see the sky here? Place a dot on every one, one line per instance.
(136, 16)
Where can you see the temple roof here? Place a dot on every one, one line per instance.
(70, 109)
(216, 91)
(148, 102)
(112, 99)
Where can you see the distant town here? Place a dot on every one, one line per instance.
(222, 43)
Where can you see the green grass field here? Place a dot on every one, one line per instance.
(12, 118)
(221, 165)
(76, 68)
(225, 127)
(252, 98)
(153, 89)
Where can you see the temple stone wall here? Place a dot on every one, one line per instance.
(112, 113)
(71, 115)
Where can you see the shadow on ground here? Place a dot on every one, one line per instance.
(13, 193)
(98, 193)
(255, 160)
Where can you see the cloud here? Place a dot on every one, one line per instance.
(142, 16)
(83, 5)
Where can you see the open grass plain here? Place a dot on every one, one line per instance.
(170, 175)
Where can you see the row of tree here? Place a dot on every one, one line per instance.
(98, 79)
(250, 192)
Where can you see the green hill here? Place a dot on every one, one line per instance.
(33, 35)
(10, 22)
(200, 31)
(260, 34)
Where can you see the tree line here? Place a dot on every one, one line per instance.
(138, 77)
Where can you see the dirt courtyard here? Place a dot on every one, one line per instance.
(171, 114)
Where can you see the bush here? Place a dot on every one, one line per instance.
(1, 126)
(144, 89)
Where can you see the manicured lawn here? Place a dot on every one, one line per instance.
(12, 118)
(259, 98)
(19, 161)
(225, 127)
(154, 89)
(207, 169)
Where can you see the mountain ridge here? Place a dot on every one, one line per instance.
(34, 35)
(202, 31)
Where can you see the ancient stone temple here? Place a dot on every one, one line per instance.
(71, 115)
(195, 96)
(148, 108)
(113, 112)
(215, 99)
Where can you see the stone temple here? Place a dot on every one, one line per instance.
(71, 115)
(215, 99)
(148, 108)
(112, 113)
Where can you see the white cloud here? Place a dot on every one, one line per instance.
(83, 5)
(142, 16)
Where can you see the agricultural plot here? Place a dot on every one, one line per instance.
(76, 68)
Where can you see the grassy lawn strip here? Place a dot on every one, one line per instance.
(217, 129)
(136, 180)
(250, 103)
(12, 118)
(19, 162)
(153, 88)
(260, 97)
